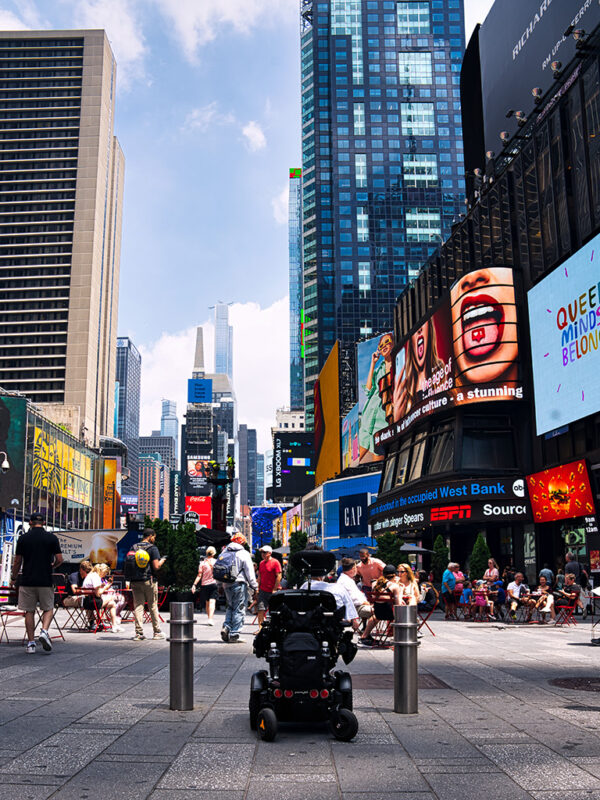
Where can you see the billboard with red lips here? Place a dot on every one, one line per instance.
(561, 493)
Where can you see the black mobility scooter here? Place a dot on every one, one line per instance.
(301, 642)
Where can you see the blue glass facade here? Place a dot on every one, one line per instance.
(295, 261)
(128, 377)
(223, 342)
(382, 159)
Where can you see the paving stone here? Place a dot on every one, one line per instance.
(475, 785)
(98, 779)
(60, 755)
(306, 789)
(219, 766)
(152, 738)
(536, 767)
(388, 768)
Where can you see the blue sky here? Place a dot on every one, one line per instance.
(208, 115)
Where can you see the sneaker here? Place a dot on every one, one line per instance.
(233, 638)
(225, 633)
(492, 617)
(117, 629)
(513, 614)
(139, 637)
(44, 640)
(211, 623)
(30, 647)
(368, 641)
(159, 635)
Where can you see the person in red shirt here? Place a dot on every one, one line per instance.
(269, 578)
(369, 569)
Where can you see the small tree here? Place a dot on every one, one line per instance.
(184, 556)
(479, 558)
(164, 542)
(439, 558)
(298, 540)
(388, 549)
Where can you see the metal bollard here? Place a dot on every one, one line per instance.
(181, 657)
(406, 688)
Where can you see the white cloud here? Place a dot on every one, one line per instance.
(260, 367)
(28, 18)
(280, 205)
(255, 138)
(196, 22)
(201, 119)
(124, 30)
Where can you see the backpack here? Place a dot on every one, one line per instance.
(225, 569)
(132, 571)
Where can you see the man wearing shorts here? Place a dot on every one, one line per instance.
(269, 578)
(38, 552)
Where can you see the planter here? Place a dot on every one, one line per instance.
(182, 597)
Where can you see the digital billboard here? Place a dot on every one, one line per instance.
(197, 472)
(467, 351)
(564, 316)
(561, 492)
(518, 43)
(374, 369)
(199, 390)
(202, 506)
(61, 469)
(350, 427)
(327, 418)
(13, 424)
(293, 465)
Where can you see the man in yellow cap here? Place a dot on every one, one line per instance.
(145, 587)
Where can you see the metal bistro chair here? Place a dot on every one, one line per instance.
(383, 610)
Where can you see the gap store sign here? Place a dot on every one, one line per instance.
(564, 317)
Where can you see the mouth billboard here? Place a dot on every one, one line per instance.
(467, 351)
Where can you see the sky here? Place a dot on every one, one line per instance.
(208, 116)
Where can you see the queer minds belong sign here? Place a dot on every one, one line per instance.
(564, 315)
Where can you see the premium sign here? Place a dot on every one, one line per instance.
(452, 502)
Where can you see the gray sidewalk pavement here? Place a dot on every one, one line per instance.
(91, 720)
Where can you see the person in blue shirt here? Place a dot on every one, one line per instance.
(448, 586)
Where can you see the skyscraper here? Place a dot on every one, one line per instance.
(61, 184)
(260, 479)
(164, 446)
(129, 374)
(247, 465)
(295, 274)
(223, 341)
(382, 159)
(169, 424)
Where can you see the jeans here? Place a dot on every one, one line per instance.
(235, 594)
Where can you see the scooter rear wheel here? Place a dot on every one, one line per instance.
(266, 723)
(343, 725)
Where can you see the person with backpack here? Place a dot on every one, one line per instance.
(235, 570)
(142, 563)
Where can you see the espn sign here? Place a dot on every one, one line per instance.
(441, 513)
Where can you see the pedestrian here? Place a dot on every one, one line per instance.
(269, 579)
(547, 573)
(448, 585)
(235, 592)
(573, 567)
(38, 552)
(208, 585)
(144, 585)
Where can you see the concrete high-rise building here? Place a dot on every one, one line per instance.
(128, 375)
(247, 465)
(223, 341)
(169, 424)
(295, 277)
(154, 487)
(61, 186)
(382, 159)
(163, 445)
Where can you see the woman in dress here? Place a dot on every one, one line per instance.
(208, 585)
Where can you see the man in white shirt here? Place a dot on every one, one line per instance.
(347, 580)
(341, 594)
(517, 593)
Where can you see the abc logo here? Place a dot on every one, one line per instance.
(519, 488)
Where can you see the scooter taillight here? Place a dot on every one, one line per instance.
(277, 693)
(314, 693)
(288, 693)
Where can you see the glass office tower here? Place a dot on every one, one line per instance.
(169, 424)
(223, 341)
(129, 377)
(295, 273)
(382, 159)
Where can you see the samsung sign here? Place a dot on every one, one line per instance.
(518, 42)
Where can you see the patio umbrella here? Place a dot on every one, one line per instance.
(414, 548)
(217, 539)
(285, 551)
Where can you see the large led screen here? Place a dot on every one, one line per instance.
(564, 317)
(293, 465)
(374, 368)
(561, 492)
(197, 473)
(465, 352)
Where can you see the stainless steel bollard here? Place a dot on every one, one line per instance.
(406, 687)
(181, 657)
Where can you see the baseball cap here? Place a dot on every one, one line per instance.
(390, 569)
(36, 518)
(266, 549)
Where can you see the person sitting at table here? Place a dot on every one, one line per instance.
(497, 594)
(570, 594)
(120, 599)
(517, 593)
(75, 599)
(545, 602)
(483, 605)
(460, 580)
(492, 573)
(428, 594)
(385, 589)
(93, 582)
(409, 587)
(466, 599)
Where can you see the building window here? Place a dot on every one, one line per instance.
(417, 119)
(413, 17)
(423, 225)
(420, 169)
(360, 167)
(364, 276)
(414, 68)
(359, 119)
(362, 224)
(346, 20)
